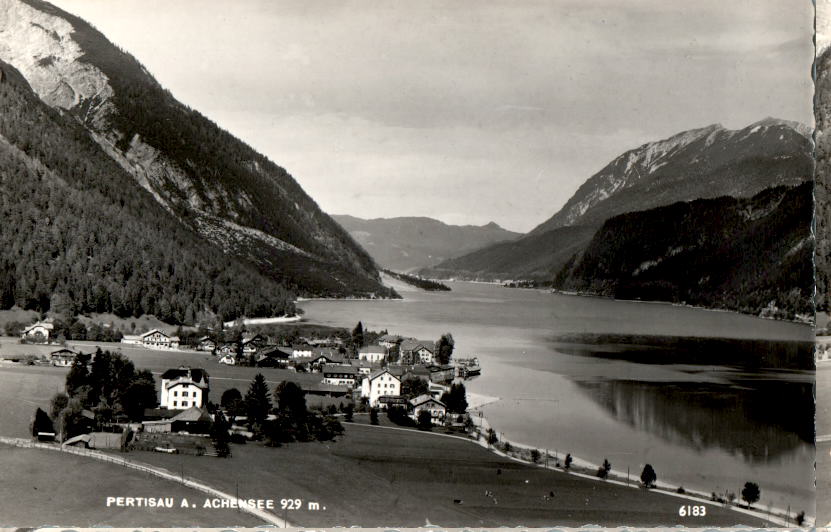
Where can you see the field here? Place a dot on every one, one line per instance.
(48, 487)
(375, 476)
(372, 476)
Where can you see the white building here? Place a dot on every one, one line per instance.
(342, 374)
(300, 351)
(39, 331)
(418, 351)
(155, 339)
(372, 353)
(380, 383)
(183, 388)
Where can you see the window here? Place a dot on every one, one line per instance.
(184, 394)
(185, 403)
(174, 403)
(175, 394)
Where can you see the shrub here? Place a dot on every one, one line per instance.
(535, 455)
(373, 416)
(604, 469)
(648, 476)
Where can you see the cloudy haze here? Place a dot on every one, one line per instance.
(464, 111)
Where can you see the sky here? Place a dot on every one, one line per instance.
(468, 112)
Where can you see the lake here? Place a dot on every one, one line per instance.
(710, 399)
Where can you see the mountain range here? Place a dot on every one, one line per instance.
(108, 131)
(703, 166)
(407, 243)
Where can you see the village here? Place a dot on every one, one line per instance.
(418, 383)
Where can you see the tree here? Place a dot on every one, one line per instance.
(257, 402)
(78, 376)
(648, 476)
(230, 397)
(41, 423)
(58, 403)
(535, 455)
(425, 420)
(139, 396)
(220, 436)
(604, 469)
(358, 336)
(444, 348)
(491, 438)
(291, 400)
(751, 493)
(413, 386)
(373, 416)
(455, 399)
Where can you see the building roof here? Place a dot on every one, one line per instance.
(339, 368)
(301, 347)
(192, 414)
(44, 324)
(411, 344)
(378, 372)
(148, 333)
(63, 351)
(373, 349)
(195, 374)
(332, 357)
(425, 398)
(274, 351)
(394, 338)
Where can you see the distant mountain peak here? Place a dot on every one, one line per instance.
(664, 163)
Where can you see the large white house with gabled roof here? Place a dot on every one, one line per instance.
(155, 339)
(378, 384)
(183, 388)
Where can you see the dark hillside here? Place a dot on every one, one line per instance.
(79, 235)
(749, 255)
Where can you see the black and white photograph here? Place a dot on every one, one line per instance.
(353, 263)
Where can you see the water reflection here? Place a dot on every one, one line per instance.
(758, 414)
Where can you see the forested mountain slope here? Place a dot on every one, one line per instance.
(77, 234)
(239, 201)
(753, 255)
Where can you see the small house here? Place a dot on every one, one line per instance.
(341, 374)
(206, 343)
(62, 357)
(427, 402)
(39, 332)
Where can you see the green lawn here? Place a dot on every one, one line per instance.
(42, 487)
(379, 477)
